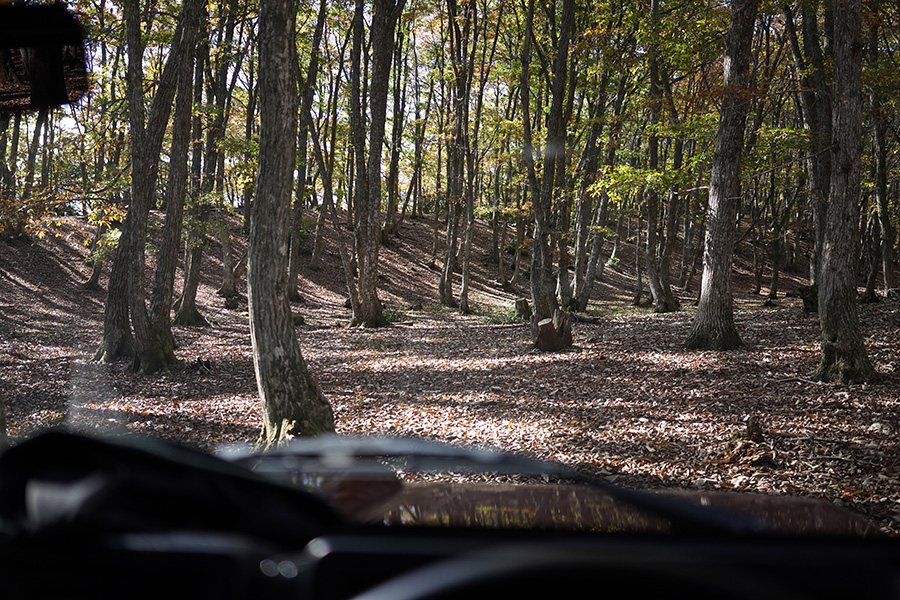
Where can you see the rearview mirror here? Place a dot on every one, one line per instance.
(41, 58)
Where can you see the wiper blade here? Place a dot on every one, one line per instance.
(331, 452)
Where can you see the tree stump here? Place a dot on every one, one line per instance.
(810, 296)
(562, 322)
(523, 310)
(552, 335)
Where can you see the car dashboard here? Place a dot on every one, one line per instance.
(336, 519)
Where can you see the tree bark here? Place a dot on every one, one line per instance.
(186, 311)
(713, 327)
(843, 354)
(881, 125)
(125, 295)
(816, 109)
(473, 152)
(367, 206)
(176, 193)
(31, 161)
(292, 402)
(4, 442)
(461, 44)
(552, 334)
(587, 219)
(655, 101)
(544, 301)
(308, 89)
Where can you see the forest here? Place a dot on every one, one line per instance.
(306, 175)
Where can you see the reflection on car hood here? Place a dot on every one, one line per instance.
(577, 507)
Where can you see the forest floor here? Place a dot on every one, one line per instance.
(627, 402)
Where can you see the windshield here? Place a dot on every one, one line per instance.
(480, 224)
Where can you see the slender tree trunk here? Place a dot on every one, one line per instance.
(473, 152)
(638, 299)
(4, 441)
(776, 254)
(186, 310)
(4, 170)
(449, 267)
(9, 183)
(545, 302)
(229, 287)
(315, 261)
(816, 109)
(96, 262)
(249, 130)
(367, 206)
(713, 327)
(888, 232)
(176, 193)
(540, 253)
(307, 92)
(291, 400)
(466, 249)
(657, 259)
(326, 171)
(187, 313)
(31, 162)
(461, 44)
(844, 355)
(391, 223)
(871, 240)
(585, 233)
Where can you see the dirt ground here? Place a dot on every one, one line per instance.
(627, 402)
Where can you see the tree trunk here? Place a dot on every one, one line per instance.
(125, 296)
(31, 161)
(473, 152)
(713, 327)
(552, 334)
(9, 174)
(176, 193)
(881, 125)
(292, 402)
(843, 355)
(315, 261)
(462, 41)
(587, 219)
(658, 255)
(445, 284)
(307, 91)
(391, 223)
(367, 206)
(249, 129)
(816, 109)
(3, 439)
(871, 239)
(229, 288)
(186, 312)
(4, 170)
(776, 253)
(638, 299)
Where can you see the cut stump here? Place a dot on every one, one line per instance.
(552, 335)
